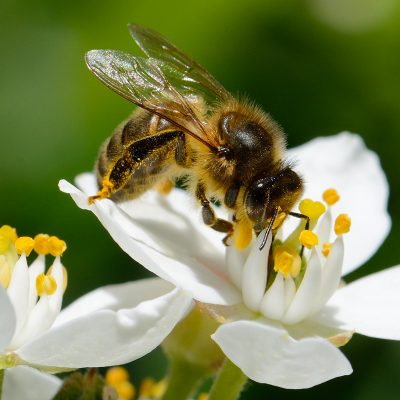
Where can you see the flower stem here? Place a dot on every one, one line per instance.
(1, 382)
(229, 383)
(183, 380)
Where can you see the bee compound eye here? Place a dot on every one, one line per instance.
(257, 199)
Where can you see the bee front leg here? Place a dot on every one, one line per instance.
(208, 214)
(162, 144)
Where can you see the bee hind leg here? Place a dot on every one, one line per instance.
(209, 217)
(162, 145)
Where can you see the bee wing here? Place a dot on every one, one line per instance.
(177, 66)
(143, 82)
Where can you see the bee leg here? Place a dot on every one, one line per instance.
(135, 155)
(208, 214)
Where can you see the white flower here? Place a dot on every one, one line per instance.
(279, 335)
(25, 383)
(111, 325)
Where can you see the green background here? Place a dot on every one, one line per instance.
(318, 66)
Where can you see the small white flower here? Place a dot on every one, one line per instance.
(111, 325)
(276, 334)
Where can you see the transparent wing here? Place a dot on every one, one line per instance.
(143, 82)
(179, 68)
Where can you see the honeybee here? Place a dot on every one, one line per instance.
(189, 125)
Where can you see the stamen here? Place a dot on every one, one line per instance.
(158, 389)
(313, 209)
(308, 239)
(65, 276)
(149, 388)
(145, 387)
(342, 224)
(45, 284)
(203, 396)
(118, 378)
(5, 272)
(56, 246)
(287, 261)
(4, 244)
(331, 196)
(278, 220)
(24, 244)
(42, 244)
(326, 249)
(243, 234)
(9, 232)
(125, 390)
(116, 375)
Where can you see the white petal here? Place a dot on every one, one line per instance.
(44, 313)
(255, 272)
(8, 319)
(268, 354)
(273, 303)
(115, 297)
(35, 269)
(166, 242)
(290, 291)
(25, 383)
(235, 260)
(307, 293)
(106, 337)
(18, 291)
(331, 272)
(311, 328)
(324, 228)
(369, 306)
(344, 163)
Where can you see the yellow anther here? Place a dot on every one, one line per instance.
(203, 396)
(9, 232)
(24, 244)
(5, 272)
(45, 284)
(278, 220)
(65, 276)
(116, 375)
(118, 378)
(4, 244)
(326, 249)
(331, 196)
(158, 389)
(308, 239)
(313, 209)
(42, 243)
(243, 234)
(56, 246)
(125, 390)
(287, 261)
(146, 386)
(342, 224)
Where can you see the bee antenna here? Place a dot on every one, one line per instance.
(269, 228)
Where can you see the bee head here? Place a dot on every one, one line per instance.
(281, 190)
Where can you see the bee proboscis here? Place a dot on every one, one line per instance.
(189, 125)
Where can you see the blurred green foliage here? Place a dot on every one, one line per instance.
(319, 67)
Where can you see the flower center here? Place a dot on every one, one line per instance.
(302, 272)
(308, 239)
(287, 261)
(45, 284)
